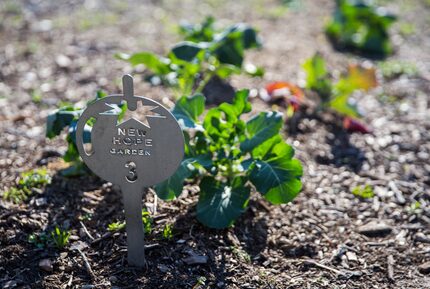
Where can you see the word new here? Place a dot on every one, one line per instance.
(131, 137)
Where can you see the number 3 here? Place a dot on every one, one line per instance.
(132, 175)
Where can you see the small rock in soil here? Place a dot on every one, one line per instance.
(420, 237)
(351, 256)
(424, 268)
(63, 61)
(41, 202)
(163, 268)
(375, 229)
(46, 265)
(196, 260)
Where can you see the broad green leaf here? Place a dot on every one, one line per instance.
(59, 119)
(341, 104)
(239, 106)
(266, 147)
(249, 37)
(157, 64)
(229, 45)
(72, 153)
(215, 126)
(361, 27)
(278, 179)
(172, 187)
(261, 128)
(86, 137)
(317, 76)
(186, 51)
(220, 205)
(187, 110)
(230, 49)
(226, 70)
(203, 32)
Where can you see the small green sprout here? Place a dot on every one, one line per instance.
(116, 226)
(34, 179)
(146, 220)
(241, 254)
(26, 181)
(39, 240)
(201, 280)
(167, 232)
(414, 208)
(393, 69)
(86, 217)
(15, 195)
(60, 238)
(36, 96)
(365, 193)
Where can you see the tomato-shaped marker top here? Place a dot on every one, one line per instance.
(135, 152)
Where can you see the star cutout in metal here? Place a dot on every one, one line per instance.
(142, 113)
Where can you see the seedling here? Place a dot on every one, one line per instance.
(365, 193)
(33, 179)
(205, 53)
(241, 254)
(15, 195)
(167, 232)
(60, 237)
(394, 68)
(26, 181)
(336, 96)
(361, 27)
(146, 219)
(39, 240)
(201, 281)
(415, 208)
(226, 156)
(116, 226)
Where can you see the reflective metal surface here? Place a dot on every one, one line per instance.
(133, 153)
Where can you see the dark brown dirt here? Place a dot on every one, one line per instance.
(314, 242)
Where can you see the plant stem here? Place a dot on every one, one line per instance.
(203, 83)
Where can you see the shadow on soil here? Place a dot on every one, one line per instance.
(342, 152)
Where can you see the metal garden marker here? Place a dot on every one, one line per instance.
(133, 153)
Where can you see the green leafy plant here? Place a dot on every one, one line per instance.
(362, 27)
(205, 53)
(26, 181)
(167, 232)
(394, 68)
(227, 156)
(365, 193)
(116, 226)
(146, 220)
(60, 238)
(67, 117)
(336, 95)
(241, 254)
(39, 240)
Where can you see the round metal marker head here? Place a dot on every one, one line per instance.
(136, 152)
